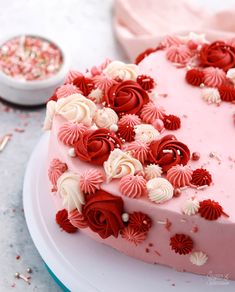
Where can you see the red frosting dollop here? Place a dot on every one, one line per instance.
(146, 82)
(168, 151)
(201, 177)
(181, 243)
(63, 221)
(217, 54)
(84, 84)
(144, 54)
(227, 93)
(126, 127)
(194, 77)
(95, 146)
(211, 210)
(172, 122)
(126, 97)
(103, 212)
(140, 221)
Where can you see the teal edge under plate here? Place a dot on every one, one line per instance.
(58, 282)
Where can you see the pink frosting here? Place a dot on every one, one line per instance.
(214, 77)
(73, 74)
(179, 54)
(152, 111)
(56, 169)
(69, 133)
(139, 150)
(77, 219)
(66, 90)
(103, 82)
(97, 70)
(129, 120)
(159, 125)
(91, 180)
(171, 41)
(179, 175)
(133, 186)
(132, 235)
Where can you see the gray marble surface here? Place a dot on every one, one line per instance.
(85, 26)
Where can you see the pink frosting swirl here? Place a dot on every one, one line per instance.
(91, 180)
(97, 70)
(77, 219)
(138, 150)
(70, 133)
(73, 74)
(133, 186)
(103, 82)
(151, 111)
(171, 40)
(214, 77)
(66, 90)
(56, 169)
(179, 175)
(129, 120)
(179, 54)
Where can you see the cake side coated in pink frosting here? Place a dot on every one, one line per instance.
(168, 219)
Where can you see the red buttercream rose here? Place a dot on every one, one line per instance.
(95, 146)
(103, 212)
(126, 97)
(168, 151)
(218, 54)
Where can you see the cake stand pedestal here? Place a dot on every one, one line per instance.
(79, 263)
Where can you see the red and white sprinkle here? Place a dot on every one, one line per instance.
(30, 58)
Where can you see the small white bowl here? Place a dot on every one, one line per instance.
(35, 92)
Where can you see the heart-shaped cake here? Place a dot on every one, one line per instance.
(142, 156)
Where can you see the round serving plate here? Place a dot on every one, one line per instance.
(82, 264)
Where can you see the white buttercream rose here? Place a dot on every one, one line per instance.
(117, 69)
(120, 164)
(160, 190)
(105, 118)
(145, 133)
(50, 112)
(68, 186)
(76, 108)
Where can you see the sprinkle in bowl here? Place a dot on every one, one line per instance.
(31, 67)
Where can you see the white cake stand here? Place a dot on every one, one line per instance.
(84, 265)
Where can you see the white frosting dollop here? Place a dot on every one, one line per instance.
(105, 118)
(198, 258)
(76, 108)
(96, 95)
(191, 207)
(152, 171)
(120, 164)
(211, 95)
(71, 152)
(195, 37)
(231, 75)
(117, 69)
(50, 112)
(145, 133)
(160, 190)
(68, 186)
